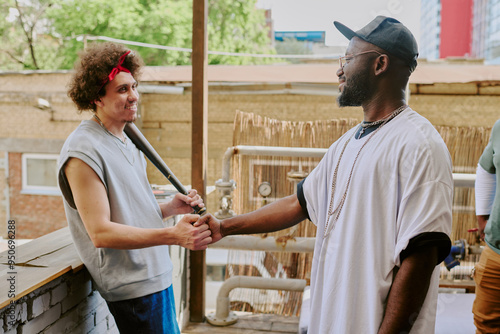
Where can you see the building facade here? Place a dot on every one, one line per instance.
(479, 28)
(460, 28)
(492, 37)
(446, 28)
(430, 29)
(456, 28)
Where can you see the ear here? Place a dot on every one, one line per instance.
(98, 102)
(382, 64)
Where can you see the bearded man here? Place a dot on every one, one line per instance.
(381, 198)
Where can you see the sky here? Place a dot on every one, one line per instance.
(318, 15)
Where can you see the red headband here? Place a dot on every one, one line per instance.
(117, 69)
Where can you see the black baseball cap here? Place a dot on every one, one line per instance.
(389, 34)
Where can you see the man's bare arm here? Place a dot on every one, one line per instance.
(92, 202)
(408, 291)
(285, 212)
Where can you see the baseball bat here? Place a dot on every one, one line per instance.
(142, 144)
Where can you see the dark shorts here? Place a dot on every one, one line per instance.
(153, 313)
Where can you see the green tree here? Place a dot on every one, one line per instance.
(167, 23)
(59, 28)
(71, 20)
(237, 26)
(24, 42)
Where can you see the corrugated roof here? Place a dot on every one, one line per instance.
(426, 73)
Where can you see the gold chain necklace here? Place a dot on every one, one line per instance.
(339, 207)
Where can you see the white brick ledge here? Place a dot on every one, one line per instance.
(53, 291)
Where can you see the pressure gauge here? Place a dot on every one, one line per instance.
(265, 189)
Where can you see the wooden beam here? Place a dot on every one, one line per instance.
(199, 148)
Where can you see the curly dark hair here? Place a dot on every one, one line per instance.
(92, 70)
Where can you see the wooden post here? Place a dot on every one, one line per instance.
(199, 148)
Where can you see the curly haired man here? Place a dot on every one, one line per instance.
(116, 223)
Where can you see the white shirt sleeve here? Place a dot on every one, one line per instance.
(485, 189)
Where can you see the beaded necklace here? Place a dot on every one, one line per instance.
(339, 207)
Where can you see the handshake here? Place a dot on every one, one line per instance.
(193, 232)
(196, 233)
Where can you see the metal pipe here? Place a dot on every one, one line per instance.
(281, 151)
(269, 244)
(160, 89)
(222, 316)
(226, 163)
(267, 151)
(464, 180)
(459, 179)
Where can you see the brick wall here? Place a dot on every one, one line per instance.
(69, 304)
(3, 193)
(166, 122)
(36, 215)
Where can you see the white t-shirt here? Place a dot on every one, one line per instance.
(401, 186)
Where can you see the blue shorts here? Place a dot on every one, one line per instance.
(153, 313)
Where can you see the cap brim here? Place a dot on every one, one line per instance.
(344, 30)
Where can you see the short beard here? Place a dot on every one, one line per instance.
(357, 92)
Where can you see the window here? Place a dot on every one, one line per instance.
(39, 174)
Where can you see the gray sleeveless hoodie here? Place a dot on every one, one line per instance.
(118, 274)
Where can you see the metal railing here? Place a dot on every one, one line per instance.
(225, 186)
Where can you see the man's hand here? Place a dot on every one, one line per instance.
(214, 224)
(481, 224)
(182, 204)
(192, 234)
